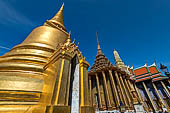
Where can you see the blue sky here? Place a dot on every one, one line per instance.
(138, 29)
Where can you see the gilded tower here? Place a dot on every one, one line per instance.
(46, 73)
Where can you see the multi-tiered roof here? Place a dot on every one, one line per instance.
(147, 73)
(101, 61)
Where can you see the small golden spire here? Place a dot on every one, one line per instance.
(58, 18)
(69, 37)
(98, 45)
(68, 41)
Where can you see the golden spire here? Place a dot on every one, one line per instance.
(118, 60)
(98, 45)
(58, 18)
(68, 39)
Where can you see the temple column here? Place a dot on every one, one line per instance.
(125, 91)
(68, 86)
(120, 95)
(150, 98)
(115, 93)
(129, 91)
(112, 100)
(135, 100)
(90, 91)
(121, 89)
(141, 98)
(165, 88)
(84, 90)
(102, 93)
(95, 103)
(106, 90)
(60, 94)
(139, 95)
(160, 96)
(98, 90)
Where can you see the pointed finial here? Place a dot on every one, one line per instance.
(146, 63)
(154, 62)
(98, 45)
(62, 7)
(74, 41)
(77, 44)
(69, 34)
(58, 18)
(68, 39)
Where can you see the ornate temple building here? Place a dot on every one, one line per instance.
(153, 88)
(112, 87)
(46, 73)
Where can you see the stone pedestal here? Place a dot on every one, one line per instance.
(139, 108)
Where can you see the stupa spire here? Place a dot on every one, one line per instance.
(98, 45)
(118, 60)
(58, 18)
(69, 38)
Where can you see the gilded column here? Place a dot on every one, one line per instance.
(98, 90)
(114, 89)
(68, 86)
(84, 83)
(60, 88)
(121, 89)
(106, 90)
(160, 96)
(165, 88)
(62, 84)
(150, 98)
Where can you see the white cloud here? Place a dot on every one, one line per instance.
(8, 15)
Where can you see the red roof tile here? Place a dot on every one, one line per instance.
(153, 69)
(145, 75)
(140, 71)
(142, 79)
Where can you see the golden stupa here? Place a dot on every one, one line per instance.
(46, 73)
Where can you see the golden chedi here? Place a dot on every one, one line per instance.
(46, 73)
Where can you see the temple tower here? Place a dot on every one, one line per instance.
(110, 86)
(46, 73)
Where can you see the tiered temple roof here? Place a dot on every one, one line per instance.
(101, 61)
(147, 73)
